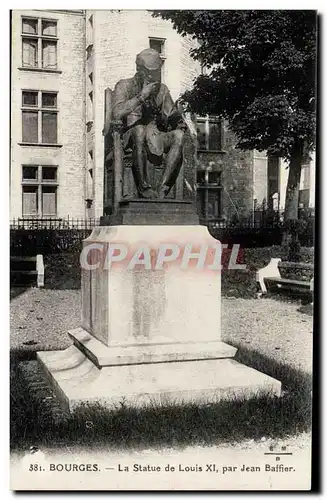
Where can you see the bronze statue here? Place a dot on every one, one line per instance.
(153, 126)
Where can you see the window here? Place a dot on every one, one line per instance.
(49, 174)
(305, 176)
(204, 70)
(89, 31)
(201, 134)
(30, 99)
(304, 191)
(158, 44)
(39, 190)
(89, 109)
(89, 179)
(304, 198)
(89, 51)
(29, 26)
(30, 53)
(49, 100)
(39, 41)
(49, 54)
(30, 173)
(49, 28)
(39, 117)
(209, 134)
(209, 197)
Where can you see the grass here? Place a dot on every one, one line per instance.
(33, 423)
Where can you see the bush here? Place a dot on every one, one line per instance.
(249, 237)
(26, 242)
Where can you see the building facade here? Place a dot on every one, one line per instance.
(47, 113)
(62, 62)
(270, 183)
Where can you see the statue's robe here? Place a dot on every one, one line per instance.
(158, 114)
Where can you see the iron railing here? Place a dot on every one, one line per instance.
(49, 235)
(53, 223)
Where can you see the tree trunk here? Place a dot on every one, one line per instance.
(293, 184)
(290, 237)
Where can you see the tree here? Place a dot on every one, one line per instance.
(261, 78)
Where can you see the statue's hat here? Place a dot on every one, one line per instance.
(149, 58)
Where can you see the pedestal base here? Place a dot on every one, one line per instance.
(151, 212)
(151, 334)
(103, 356)
(77, 380)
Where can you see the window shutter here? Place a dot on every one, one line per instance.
(30, 53)
(305, 177)
(29, 26)
(49, 28)
(214, 204)
(49, 128)
(201, 203)
(201, 135)
(49, 201)
(89, 184)
(30, 202)
(49, 54)
(30, 126)
(45, 55)
(214, 136)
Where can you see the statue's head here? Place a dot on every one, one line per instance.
(148, 65)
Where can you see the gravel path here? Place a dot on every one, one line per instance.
(44, 316)
(272, 327)
(41, 318)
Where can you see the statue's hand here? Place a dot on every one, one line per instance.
(149, 89)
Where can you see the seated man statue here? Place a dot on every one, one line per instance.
(153, 127)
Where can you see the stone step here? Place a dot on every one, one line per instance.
(154, 352)
(41, 393)
(76, 380)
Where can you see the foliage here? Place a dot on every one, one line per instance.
(262, 74)
(46, 241)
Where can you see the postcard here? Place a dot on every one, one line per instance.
(162, 221)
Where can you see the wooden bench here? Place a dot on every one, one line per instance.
(269, 276)
(24, 267)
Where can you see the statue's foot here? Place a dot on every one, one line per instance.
(128, 196)
(148, 194)
(162, 192)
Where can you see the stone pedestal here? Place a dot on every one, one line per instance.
(150, 329)
(168, 212)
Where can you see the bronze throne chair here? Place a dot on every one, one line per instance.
(117, 164)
